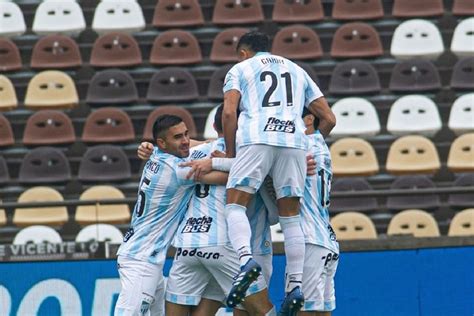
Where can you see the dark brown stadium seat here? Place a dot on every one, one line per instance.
(463, 74)
(116, 50)
(229, 12)
(462, 199)
(354, 77)
(418, 8)
(44, 165)
(309, 70)
(423, 201)
(357, 9)
(297, 42)
(175, 47)
(224, 45)
(104, 163)
(463, 7)
(297, 11)
(112, 87)
(172, 84)
(9, 55)
(169, 109)
(56, 51)
(108, 125)
(360, 204)
(4, 174)
(6, 133)
(49, 127)
(178, 13)
(415, 75)
(214, 91)
(356, 39)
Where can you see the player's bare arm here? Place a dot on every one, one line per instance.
(145, 149)
(327, 120)
(229, 120)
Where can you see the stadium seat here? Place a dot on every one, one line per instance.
(4, 173)
(354, 40)
(97, 213)
(214, 91)
(172, 84)
(418, 8)
(413, 182)
(112, 87)
(463, 7)
(415, 75)
(104, 163)
(277, 233)
(354, 77)
(224, 45)
(120, 15)
(309, 70)
(461, 117)
(37, 234)
(55, 215)
(462, 223)
(6, 133)
(116, 50)
(414, 114)
(461, 154)
(357, 10)
(462, 199)
(100, 233)
(169, 109)
(353, 225)
(463, 37)
(108, 125)
(355, 117)
(463, 74)
(360, 203)
(56, 51)
(3, 217)
(297, 42)
(175, 47)
(209, 131)
(178, 13)
(56, 16)
(11, 20)
(416, 38)
(229, 12)
(412, 154)
(48, 127)
(8, 100)
(51, 89)
(353, 157)
(44, 165)
(297, 11)
(10, 59)
(413, 222)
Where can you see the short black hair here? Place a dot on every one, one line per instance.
(218, 118)
(163, 123)
(316, 119)
(256, 41)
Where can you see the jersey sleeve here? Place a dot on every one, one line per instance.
(312, 91)
(232, 80)
(181, 173)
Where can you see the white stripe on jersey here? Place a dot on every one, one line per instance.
(273, 91)
(314, 208)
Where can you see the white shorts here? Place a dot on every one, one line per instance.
(320, 267)
(143, 288)
(286, 166)
(205, 272)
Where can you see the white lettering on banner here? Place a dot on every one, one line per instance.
(5, 301)
(66, 294)
(105, 289)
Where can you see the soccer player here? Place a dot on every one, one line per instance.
(163, 195)
(270, 91)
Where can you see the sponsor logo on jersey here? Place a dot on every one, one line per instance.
(276, 125)
(197, 225)
(128, 234)
(330, 256)
(194, 252)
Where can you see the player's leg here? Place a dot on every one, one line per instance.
(212, 299)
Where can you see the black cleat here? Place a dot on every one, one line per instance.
(248, 274)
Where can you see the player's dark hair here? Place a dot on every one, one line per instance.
(256, 41)
(163, 123)
(316, 119)
(218, 118)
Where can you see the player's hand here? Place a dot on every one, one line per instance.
(145, 150)
(198, 168)
(311, 165)
(217, 154)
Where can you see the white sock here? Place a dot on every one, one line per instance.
(239, 232)
(271, 312)
(294, 250)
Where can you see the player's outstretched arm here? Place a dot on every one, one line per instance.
(215, 178)
(327, 120)
(229, 120)
(144, 151)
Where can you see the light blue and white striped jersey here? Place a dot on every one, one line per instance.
(314, 207)
(163, 197)
(273, 91)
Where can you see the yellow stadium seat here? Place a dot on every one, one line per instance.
(353, 157)
(353, 225)
(413, 222)
(3, 217)
(8, 100)
(461, 154)
(462, 223)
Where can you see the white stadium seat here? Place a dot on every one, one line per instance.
(462, 43)
(414, 114)
(37, 234)
(209, 131)
(355, 117)
(100, 232)
(55, 16)
(126, 16)
(12, 22)
(461, 117)
(417, 38)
